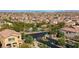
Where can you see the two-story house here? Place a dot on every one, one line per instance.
(10, 39)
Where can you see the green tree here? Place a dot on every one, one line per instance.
(18, 26)
(34, 28)
(29, 25)
(28, 39)
(54, 29)
(76, 45)
(61, 24)
(24, 45)
(41, 45)
(61, 41)
(6, 26)
(60, 34)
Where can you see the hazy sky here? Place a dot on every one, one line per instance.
(39, 4)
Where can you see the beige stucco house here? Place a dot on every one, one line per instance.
(10, 39)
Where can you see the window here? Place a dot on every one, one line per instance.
(20, 43)
(11, 39)
(18, 36)
(8, 45)
(14, 44)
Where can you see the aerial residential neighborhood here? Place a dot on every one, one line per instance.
(39, 29)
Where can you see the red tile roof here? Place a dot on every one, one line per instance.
(71, 29)
(7, 32)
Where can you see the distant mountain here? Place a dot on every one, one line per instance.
(39, 10)
(31, 10)
(71, 10)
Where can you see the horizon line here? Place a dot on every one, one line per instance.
(39, 10)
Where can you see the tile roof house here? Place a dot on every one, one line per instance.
(71, 31)
(70, 23)
(10, 38)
